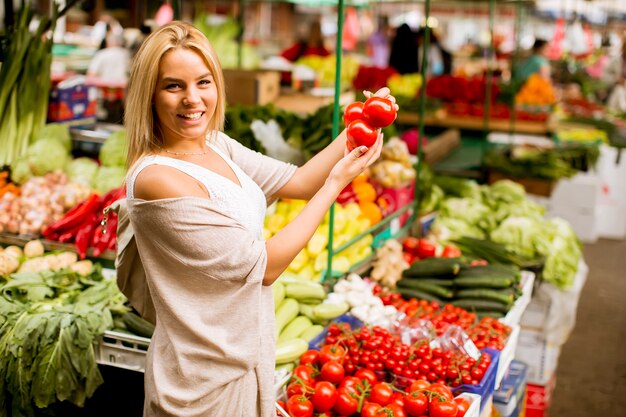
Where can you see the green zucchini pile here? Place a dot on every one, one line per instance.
(489, 290)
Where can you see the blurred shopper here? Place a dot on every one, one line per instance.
(310, 44)
(378, 45)
(439, 59)
(403, 54)
(111, 63)
(537, 63)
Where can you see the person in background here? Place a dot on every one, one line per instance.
(439, 59)
(537, 62)
(403, 53)
(196, 202)
(111, 63)
(378, 44)
(313, 44)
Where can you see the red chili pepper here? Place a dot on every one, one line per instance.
(66, 237)
(73, 218)
(84, 236)
(111, 232)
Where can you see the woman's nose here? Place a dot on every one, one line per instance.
(192, 96)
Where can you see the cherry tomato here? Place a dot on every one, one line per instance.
(299, 406)
(416, 403)
(426, 248)
(331, 353)
(366, 374)
(379, 111)
(353, 112)
(324, 397)
(381, 394)
(346, 404)
(310, 357)
(332, 371)
(451, 251)
(439, 408)
(360, 133)
(462, 405)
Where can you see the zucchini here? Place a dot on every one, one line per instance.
(290, 350)
(295, 328)
(420, 295)
(137, 325)
(484, 282)
(493, 270)
(278, 289)
(287, 311)
(312, 332)
(329, 311)
(476, 304)
(442, 282)
(505, 296)
(433, 267)
(433, 289)
(305, 290)
(288, 367)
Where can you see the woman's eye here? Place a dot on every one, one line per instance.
(172, 86)
(205, 82)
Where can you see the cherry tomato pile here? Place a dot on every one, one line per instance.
(415, 249)
(319, 386)
(363, 119)
(489, 333)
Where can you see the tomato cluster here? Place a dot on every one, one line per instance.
(363, 119)
(489, 333)
(320, 387)
(415, 249)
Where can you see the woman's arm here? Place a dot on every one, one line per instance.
(283, 247)
(309, 178)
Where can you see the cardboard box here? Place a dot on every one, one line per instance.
(539, 398)
(531, 185)
(249, 87)
(72, 99)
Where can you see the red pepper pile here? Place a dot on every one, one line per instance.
(372, 78)
(319, 385)
(83, 225)
(460, 89)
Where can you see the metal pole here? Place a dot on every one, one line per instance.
(240, 23)
(514, 63)
(178, 7)
(422, 110)
(490, 56)
(335, 130)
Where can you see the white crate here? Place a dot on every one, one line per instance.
(514, 315)
(122, 351)
(474, 408)
(507, 355)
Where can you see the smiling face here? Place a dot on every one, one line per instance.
(185, 97)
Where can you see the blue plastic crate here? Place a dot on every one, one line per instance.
(511, 392)
(317, 342)
(487, 386)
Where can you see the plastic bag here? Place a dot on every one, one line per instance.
(271, 138)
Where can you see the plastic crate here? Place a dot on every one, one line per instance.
(317, 342)
(507, 354)
(508, 398)
(122, 351)
(487, 386)
(514, 315)
(474, 408)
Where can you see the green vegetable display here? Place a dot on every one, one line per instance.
(81, 170)
(114, 150)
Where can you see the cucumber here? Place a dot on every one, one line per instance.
(475, 304)
(505, 296)
(290, 350)
(295, 328)
(492, 270)
(485, 282)
(433, 267)
(493, 314)
(433, 289)
(137, 325)
(442, 282)
(312, 332)
(420, 295)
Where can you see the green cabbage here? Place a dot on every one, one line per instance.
(57, 131)
(563, 255)
(525, 208)
(114, 150)
(108, 178)
(526, 236)
(81, 170)
(505, 191)
(445, 229)
(471, 211)
(20, 171)
(46, 155)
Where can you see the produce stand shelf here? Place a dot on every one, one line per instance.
(308, 103)
(122, 350)
(50, 245)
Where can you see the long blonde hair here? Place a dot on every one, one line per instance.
(139, 117)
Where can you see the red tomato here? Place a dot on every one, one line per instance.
(368, 375)
(381, 394)
(331, 353)
(305, 374)
(416, 404)
(353, 112)
(299, 406)
(409, 258)
(462, 405)
(379, 111)
(346, 404)
(370, 410)
(442, 390)
(310, 357)
(477, 262)
(350, 383)
(332, 371)
(441, 408)
(324, 397)
(426, 248)
(418, 385)
(283, 406)
(360, 133)
(451, 251)
(296, 388)
(396, 411)
(410, 245)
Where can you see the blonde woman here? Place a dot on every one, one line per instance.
(196, 201)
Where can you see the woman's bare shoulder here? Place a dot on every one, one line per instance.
(157, 182)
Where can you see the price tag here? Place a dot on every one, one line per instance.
(394, 226)
(471, 349)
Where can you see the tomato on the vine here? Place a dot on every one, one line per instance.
(324, 397)
(304, 373)
(371, 409)
(366, 374)
(441, 408)
(299, 406)
(332, 371)
(442, 390)
(331, 353)
(396, 411)
(462, 405)
(381, 393)
(418, 385)
(310, 357)
(353, 112)
(416, 403)
(379, 111)
(346, 404)
(360, 133)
